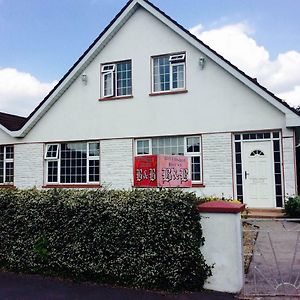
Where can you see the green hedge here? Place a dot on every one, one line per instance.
(140, 238)
(292, 207)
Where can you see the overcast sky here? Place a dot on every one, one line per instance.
(41, 40)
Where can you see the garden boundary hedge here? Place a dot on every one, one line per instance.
(140, 238)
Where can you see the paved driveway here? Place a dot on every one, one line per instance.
(275, 266)
(29, 287)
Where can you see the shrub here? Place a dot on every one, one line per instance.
(292, 207)
(140, 238)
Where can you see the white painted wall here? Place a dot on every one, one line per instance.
(116, 163)
(6, 139)
(215, 102)
(28, 165)
(223, 248)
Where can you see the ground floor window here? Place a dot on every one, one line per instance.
(72, 162)
(6, 164)
(175, 145)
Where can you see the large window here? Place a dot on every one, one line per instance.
(168, 72)
(175, 145)
(72, 163)
(6, 164)
(116, 79)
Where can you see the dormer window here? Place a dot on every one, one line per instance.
(168, 72)
(116, 79)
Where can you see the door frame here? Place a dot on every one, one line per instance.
(272, 173)
(275, 138)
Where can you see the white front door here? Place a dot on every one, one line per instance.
(259, 188)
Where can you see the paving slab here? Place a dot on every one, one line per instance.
(275, 266)
(34, 287)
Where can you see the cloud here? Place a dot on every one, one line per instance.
(292, 96)
(21, 92)
(235, 43)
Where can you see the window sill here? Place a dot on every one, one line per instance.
(70, 186)
(7, 186)
(198, 185)
(168, 93)
(115, 98)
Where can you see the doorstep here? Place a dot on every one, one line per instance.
(268, 213)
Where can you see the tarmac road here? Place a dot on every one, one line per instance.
(34, 287)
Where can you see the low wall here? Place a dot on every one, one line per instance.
(221, 224)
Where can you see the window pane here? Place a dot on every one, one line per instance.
(94, 149)
(124, 78)
(73, 163)
(161, 73)
(196, 173)
(52, 170)
(168, 145)
(9, 172)
(178, 76)
(143, 147)
(108, 84)
(52, 151)
(193, 144)
(94, 171)
(9, 152)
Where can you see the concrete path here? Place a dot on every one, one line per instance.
(35, 287)
(275, 266)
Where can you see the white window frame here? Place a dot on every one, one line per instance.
(46, 151)
(111, 69)
(194, 154)
(175, 60)
(108, 68)
(58, 159)
(150, 146)
(171, 75)
(5, 161)
(111, 82)
(187, 154)
(89, 158)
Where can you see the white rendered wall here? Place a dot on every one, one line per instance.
(6, 139)
(289, 168)
(116, 163)
(223, 248)
(28, 169)
(215, 101)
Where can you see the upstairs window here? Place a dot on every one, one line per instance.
(168, 72)
(6, 164)
(116, 79)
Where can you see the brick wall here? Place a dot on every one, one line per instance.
(217, 165)
(116, 163)
(28, 165)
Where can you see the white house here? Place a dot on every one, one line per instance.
(148, 86)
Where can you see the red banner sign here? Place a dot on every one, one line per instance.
(162, 171)
(145, 171)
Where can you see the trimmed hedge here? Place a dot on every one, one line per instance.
(141, 238)
(292, 207)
